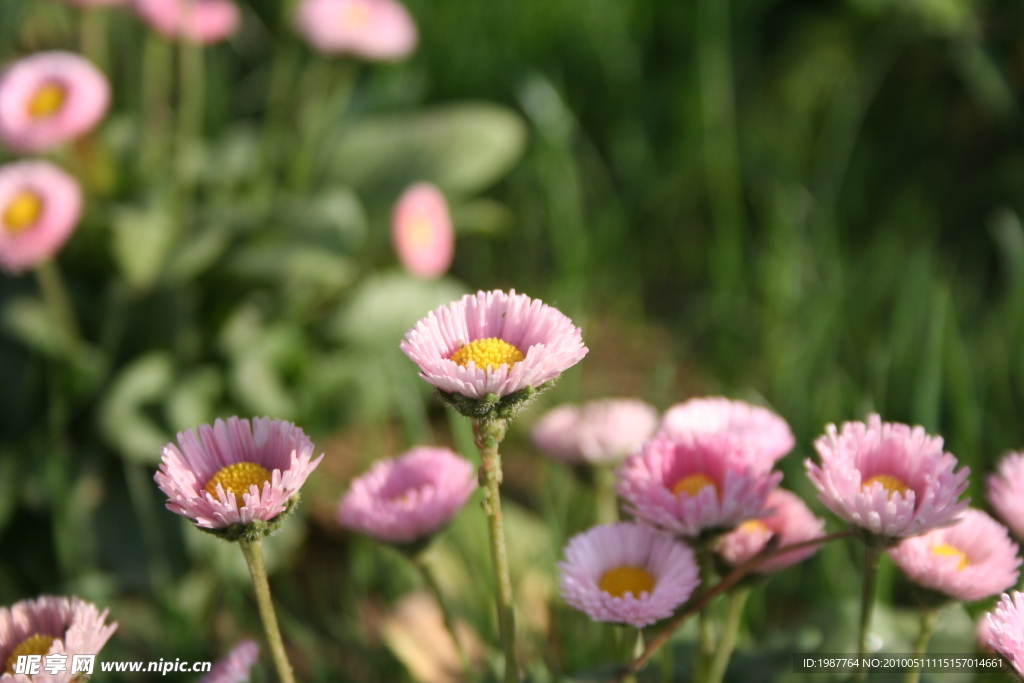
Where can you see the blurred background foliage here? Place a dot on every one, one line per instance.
(815, 204)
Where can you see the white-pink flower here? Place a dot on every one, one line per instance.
(627, 573)
(971, 560)
(56, 627)
(1006, 624)
(765, 435)
(234, 472)
(402, 499)
(785, 517)
(890, 479)
(40, 206)
(1006, 492)
(200, 21)
(49, 98)
(369, 29)
(493, 343)
(602, 431)
(235, 666)
(694, 485)
(421, 231)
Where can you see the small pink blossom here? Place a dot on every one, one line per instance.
(627, 573)
(421, 231)
(693, 485)
(40, 206)
(1006, 624)
(893, 480)
(236, 666)
(263, 464)
(370, 29)
(785, 517)
(200, 21)
(602, 431)
(1006, 492)
(49, 98)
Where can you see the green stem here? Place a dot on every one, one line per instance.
(55, 294)
(93, 35)
(321, 110)
(253, 552)
(607, 501)
(446, 614)
(867, 604)
(191, 95)
(631, 643)
(488, 434)
(730, 630)
(929, 619)
(156, 88)
(706, 642)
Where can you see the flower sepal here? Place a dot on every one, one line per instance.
(492, 406)
(875, 541)
(257, 529)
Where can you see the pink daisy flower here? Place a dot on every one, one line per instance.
(983, 635)
(890, 479)
(236, 666)
(402, 499)
(694, 485)
(49, 98)
(421, 231)
(598, 432)
(50, 626)
(40, 206)
(263, 465)
(1006, 623)
(968, 561)
(370, 29)
(767, 436)
(1006, 492)
(493, 343)
(785, 517)
(200, 21)
(627, 573)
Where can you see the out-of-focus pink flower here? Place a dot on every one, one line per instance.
(968, 561)
(766, 436)
(1006, 492)
(421, 231)
(40, 206)
(893, 480)
(627, 573)
(493, 343)
(50, 626)
(49, 98)
(602, 431)
(370, 29)
(200, 21)
(786, 517)
(1006, 624)
(96, 3)
(693, 485)
(236, 666)
(263, 465)
(403, 499)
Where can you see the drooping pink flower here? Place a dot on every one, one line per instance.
(200, 21)
(49, 98)
(369, 29)
(50, 626)
(235, 666)
(402, 499)
(493, 343)
(893, 480)
(1006, 492)
(1006, 624)
(765, 435)
(602, 431)
(627, 573)
(262, 465)
(40, 206)
(968, 561)
(421, 231)
(786, 517)
(693, 485)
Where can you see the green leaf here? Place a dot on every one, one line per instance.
(483, 217)
(141, 244)
(30, 321)
(122, 420)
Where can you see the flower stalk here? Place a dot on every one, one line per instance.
(253, 552)
(929, 619)
(730, 630)
(867, 604)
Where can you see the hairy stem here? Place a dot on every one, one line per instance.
(867, 604)
(253, 552)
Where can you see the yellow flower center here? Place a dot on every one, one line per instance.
(419, 232)
(47, 101)
(237, 479)
(621, 580)
(22, 213)
(355, 16)
(946, 550)
(693, 484)
(889, 483)
(35, 644)
(488, 353)
(755, 526)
